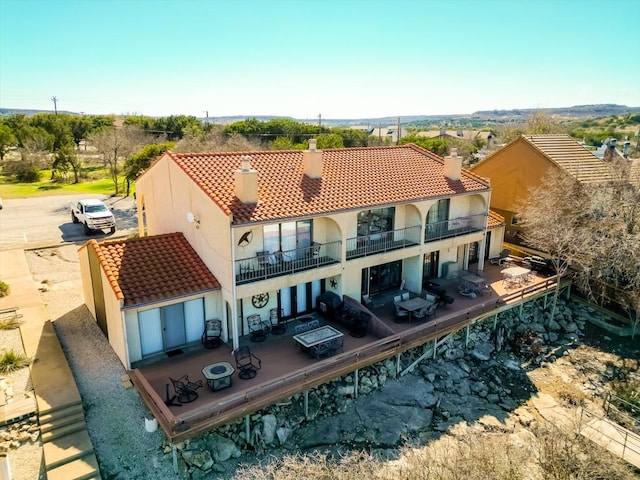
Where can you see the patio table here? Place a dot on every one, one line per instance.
(516, 276)
(414, 305)
(218, 375)
(317, 336)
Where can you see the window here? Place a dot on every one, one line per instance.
(514, 219)
(288, 236)
(371, 222)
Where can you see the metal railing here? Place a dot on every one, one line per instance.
(610, 435)
(381, 242)
(266, 265)
(455, 227)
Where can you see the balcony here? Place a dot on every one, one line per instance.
(455, 227)
(380, 242)
(266, 265)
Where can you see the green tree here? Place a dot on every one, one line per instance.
(436, 145)
(80, 128)
(7, 139)
(332, 140)
(58, 126)
(139, 162)
(283, 143)
(67, 159)
(18, 124)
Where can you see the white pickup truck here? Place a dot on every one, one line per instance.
(93, 214)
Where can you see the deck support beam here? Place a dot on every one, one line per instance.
(174, 455)
(247, 427)
(398, 365)
(306, 404)
(466, 335)
(356, 383)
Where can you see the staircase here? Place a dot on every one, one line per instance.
(68, 452)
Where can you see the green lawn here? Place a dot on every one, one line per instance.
(10, 188)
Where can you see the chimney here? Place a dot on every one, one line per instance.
(627, 149)
(453, 165)
(312, 160)
(246, 182)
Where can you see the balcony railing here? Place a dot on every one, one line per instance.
(267, 265)
(381, 242)
(455, 227)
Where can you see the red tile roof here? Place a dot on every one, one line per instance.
(495, 220)
(150, 269)
(352, 178)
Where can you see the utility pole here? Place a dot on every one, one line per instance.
(55, 104)
(319, 123)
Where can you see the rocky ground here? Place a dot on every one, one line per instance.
(488, 384)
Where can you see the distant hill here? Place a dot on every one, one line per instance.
(575, 112)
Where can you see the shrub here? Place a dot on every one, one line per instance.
(9, 323)
(28, 174)
(11, 360)
(4, 289)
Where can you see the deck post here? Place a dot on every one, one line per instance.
(356, 377)
(466, 336)
(495, 321)
(435, 347)
(398, 365)
(545, 300)
(306, 404)
(521, 308)
(174, 454)
(247, 428)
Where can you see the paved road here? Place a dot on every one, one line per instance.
(36, 221)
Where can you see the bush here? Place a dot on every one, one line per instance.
(9, 323)
(28, 174)
(4, 289)
(11, 360)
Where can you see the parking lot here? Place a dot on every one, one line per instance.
(38, 221)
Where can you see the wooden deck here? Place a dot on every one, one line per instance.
(287, 370)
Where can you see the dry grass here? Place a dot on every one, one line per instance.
(545, 454)
(9, 323)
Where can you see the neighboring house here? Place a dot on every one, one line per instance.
(468, 135)
(275, 229)
(521, 166)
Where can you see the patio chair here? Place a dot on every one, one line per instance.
(246, 363)
(301, 328)
(335, 345)
(397, 299)
(313, 324)
(186, 389)
(402, 315)
(420, 314)
(319, 350)
(405, 296)
(263, 260)
(212, 333)
(257, 328)
(502, 258)
(278, 324)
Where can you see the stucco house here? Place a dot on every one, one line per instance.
(522, 165)
(228, 235)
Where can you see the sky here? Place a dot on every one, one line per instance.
(335, 58)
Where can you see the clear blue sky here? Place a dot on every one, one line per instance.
(340, 59)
